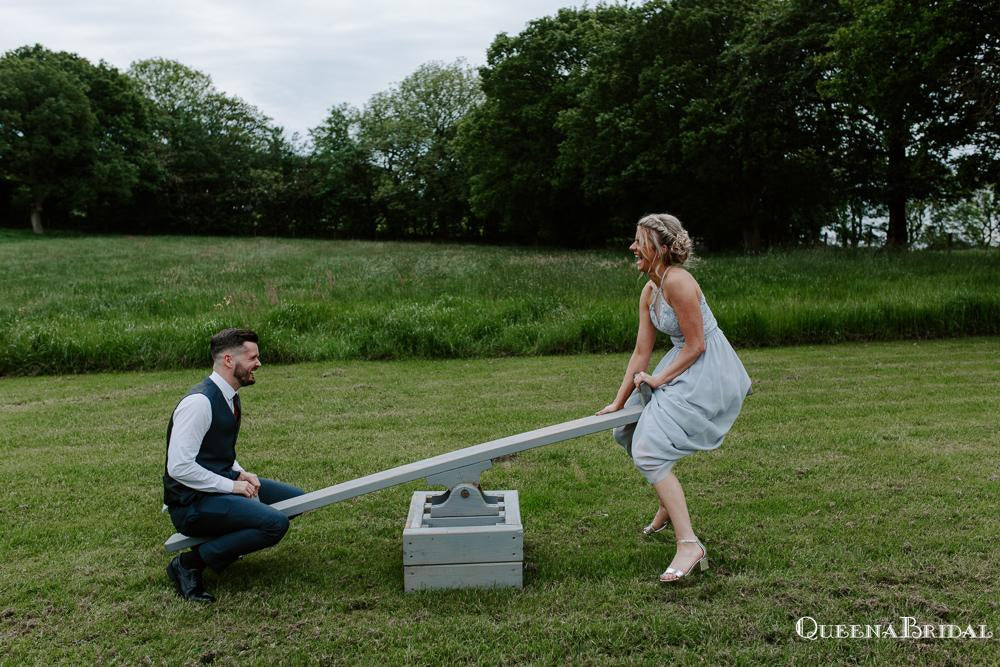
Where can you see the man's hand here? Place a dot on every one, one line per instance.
(251, 478)
(242, 488)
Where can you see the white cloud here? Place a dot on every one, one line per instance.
(293, 60)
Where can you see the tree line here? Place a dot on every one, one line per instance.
(759, 122)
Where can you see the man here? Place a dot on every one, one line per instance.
(207, 492)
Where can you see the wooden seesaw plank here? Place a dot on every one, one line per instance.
(460, 458)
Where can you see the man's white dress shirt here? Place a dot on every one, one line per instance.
(192, 419)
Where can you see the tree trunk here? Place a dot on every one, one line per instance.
(36, 218)
(751, 235)
(857, 214)
(897, 236)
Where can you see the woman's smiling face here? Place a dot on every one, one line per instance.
(642, 263)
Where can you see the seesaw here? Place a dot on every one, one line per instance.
(463, 537)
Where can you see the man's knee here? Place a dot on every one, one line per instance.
(275, 527)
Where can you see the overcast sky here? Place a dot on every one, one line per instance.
(293, 60)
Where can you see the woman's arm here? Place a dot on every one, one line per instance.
(685, 299)
(639, 361)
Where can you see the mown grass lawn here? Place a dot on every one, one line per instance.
(859, 486)
(75, 304)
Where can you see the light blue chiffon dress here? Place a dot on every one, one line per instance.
(695, 410)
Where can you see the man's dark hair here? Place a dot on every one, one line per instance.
(227, 339)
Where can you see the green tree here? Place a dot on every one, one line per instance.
(223, 164)
(906, 78)
(709, 109)
(408, 134)
(779, 137)
(73, 136)
(972, 220)
(46, 134)
(340, 177)
(512, 143)
(653, 127)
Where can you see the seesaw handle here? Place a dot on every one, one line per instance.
(645, 393)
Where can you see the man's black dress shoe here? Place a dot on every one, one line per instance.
(188, 582)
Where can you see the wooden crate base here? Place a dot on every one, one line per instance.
(463, 575)
(463, 556)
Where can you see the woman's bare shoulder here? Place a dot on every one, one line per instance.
(679, 283)
(680, 276)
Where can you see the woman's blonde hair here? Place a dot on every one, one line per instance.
(664, 241)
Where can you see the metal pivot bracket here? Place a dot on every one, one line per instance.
(464, 497)
(464, 500)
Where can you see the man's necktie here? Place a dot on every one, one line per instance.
(236, 409)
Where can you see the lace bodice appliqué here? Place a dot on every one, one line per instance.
(665, 319)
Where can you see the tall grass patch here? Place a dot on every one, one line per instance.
(78, 303)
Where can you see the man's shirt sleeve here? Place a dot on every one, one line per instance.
(192, 419)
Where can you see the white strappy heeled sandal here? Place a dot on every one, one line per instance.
(650, 530)
(701, 563)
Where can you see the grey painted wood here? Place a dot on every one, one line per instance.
(461, 458)
(418, 514)
(513, 507)
(448, 521)
(428, 544)
(455, 476)
(415, 516)
(499, 544)
(465, 575)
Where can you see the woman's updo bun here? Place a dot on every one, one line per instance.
(665, 230)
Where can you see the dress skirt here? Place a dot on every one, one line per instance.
(692, 413)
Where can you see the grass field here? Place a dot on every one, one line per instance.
(75, 304)
(859, 486)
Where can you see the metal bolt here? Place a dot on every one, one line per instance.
(465, 493)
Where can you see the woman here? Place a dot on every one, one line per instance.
(698, 386)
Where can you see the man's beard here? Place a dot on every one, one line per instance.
(244, 375)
